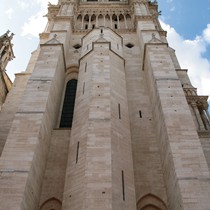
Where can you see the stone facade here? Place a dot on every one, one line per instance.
(140, 134)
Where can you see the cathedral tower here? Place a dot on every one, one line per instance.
(104, 118)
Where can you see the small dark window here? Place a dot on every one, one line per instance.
(93, 26)
(119, 111)
(115, 26)
(123, 186)
(85, 66)
(77, 155)
(129, 45)
(140, 114)
(77, 46)
(68, 104)
(86, 26)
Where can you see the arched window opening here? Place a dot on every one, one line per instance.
(93, 21)
(100, 20)
(121, 22)
(107, 21)
(114, 21)
(79, 22)
(128, 20)
(86, 21)
(68, 104)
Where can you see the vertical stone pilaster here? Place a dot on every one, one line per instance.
(184, 178)
(198, 116)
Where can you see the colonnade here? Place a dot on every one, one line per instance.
(114, 21)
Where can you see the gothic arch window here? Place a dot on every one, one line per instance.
(107, 21)
(128, 20)
(114, 21)
(86, 21)
(68, 104)
(121, 22)
(93, 21)
(79, 22)
(100, 20)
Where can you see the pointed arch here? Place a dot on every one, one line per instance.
(93, 21)
(68, 104)
(151, 202)
(107, 21)
(100, 20)
(79, 22)
(51, 204)
(129, 21)
(121, 21)
(86, 21)
(114, 22)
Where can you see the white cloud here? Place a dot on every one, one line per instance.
(206, 33)
(37, 23)
(190, 55)
(23, 4)
(172, 9)
(34, 26)
(9, 13)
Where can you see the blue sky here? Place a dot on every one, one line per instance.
(187, 23)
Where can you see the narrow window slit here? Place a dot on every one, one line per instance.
(83, 88)
(123, 185)
(119, 111)
(140, 114)
(77, 155)
(85, 66)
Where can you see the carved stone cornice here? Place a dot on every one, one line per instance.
(200, 101)
(76, 31)
(44, 35)
(190, 91)
(101, 10)
(162, 33)
(68, 18)
(204, 134)
(144, 18)
(53, 11)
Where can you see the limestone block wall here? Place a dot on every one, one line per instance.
(184, 165)
(10, 107)
(24, 156)
(53, 181)
(146, 154)
(205, 142)
(99, 170)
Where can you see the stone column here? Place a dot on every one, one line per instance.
(118, 22)
(97, 21)
(205, 119)
(198, 116)
(82, 22)
(126, 25)
(89, 24)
